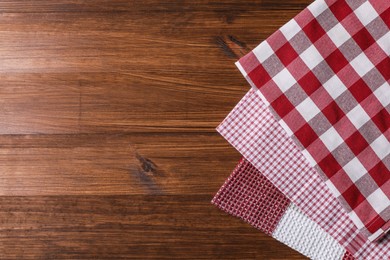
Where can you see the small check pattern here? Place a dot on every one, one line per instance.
(248, 195)
(325, 76)
(255, 133)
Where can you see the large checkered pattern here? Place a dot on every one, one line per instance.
(325, 75)
(249, 195)
(254, 132)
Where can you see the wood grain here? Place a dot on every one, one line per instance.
(107, 118)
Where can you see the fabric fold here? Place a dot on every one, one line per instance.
(248, 195)
(254, 132)
(325, 77)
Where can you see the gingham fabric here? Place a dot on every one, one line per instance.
(254, 132)
(325, 75)
(247, 194)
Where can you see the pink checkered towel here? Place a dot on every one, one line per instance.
(255, 133)
(247, 194)
(325, 76)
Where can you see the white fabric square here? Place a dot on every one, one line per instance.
(366, 13)
(355, 169)
(241, 69)
(384, 43)
(317, 7)
(311, 57)
(262, 97)
(338, 35)
(358, 116)
(381, 146)
(284, 80)
(308, 109)
(352, 215)
(362, 64)
(331, 139)
(376, 234)
(286, 128)
(335, 87)
(333, 188)
(290, 29)
(309, 158)
(378, 200)
(263, 51)
(383, 94)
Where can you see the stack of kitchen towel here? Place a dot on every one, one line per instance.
(314, 133)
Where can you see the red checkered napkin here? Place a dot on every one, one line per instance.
(247, 194)
(254, 132)
(325, 75)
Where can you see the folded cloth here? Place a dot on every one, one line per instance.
(247, 194)
(325, 76)
(254, 132)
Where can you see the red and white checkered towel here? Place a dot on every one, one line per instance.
(249, 195)
(325, 76)
(254, 132)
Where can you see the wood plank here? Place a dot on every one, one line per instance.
(96, 103)
(44, 6)
(110, 83)
(128, 227)
(32, 165)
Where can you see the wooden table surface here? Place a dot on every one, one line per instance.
(107, 118)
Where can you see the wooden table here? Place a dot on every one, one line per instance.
(108, 110)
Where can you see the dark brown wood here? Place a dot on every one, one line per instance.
(107, 118)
